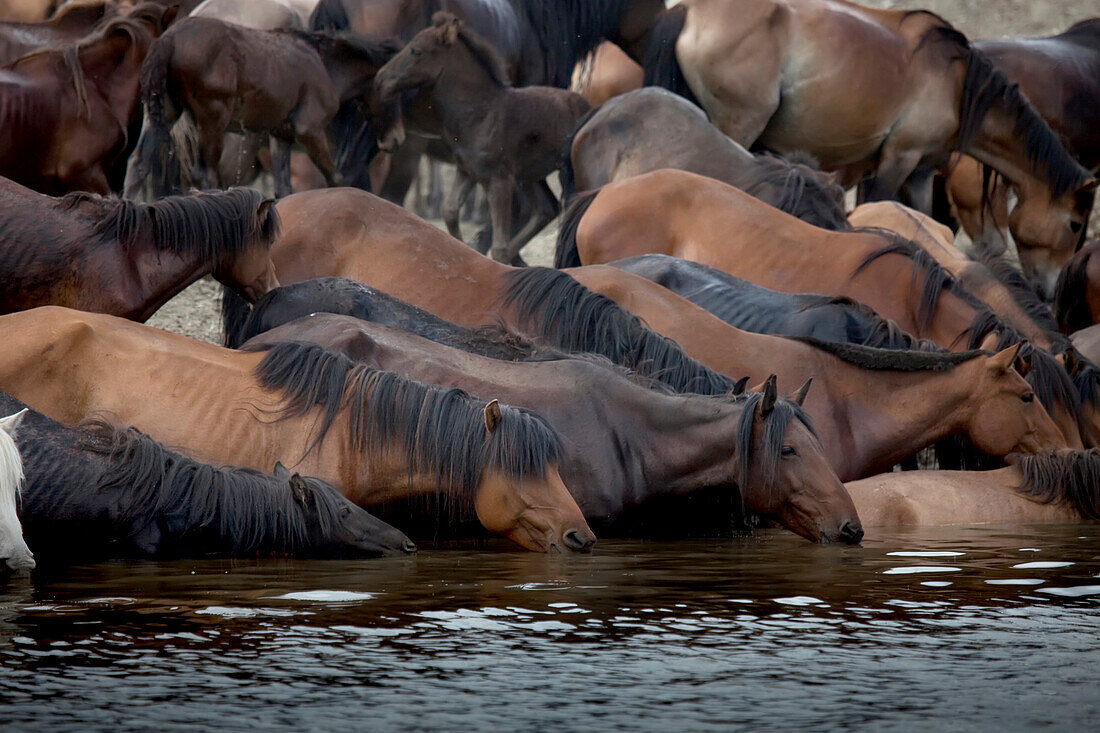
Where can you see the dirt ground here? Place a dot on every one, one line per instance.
(195, 312)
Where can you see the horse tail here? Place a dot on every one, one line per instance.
(154, 148)
(662, 69)
(329, 16)
(236, 313)
(566, 254)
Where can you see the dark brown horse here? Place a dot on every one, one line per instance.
(758, 446)
(352, 234)
(286, 84)
(880, 93)
(1077, 295)
(67, 112)
(19, 39)
(503, 138)
(376, 436)
(127, 259)
(652, 128)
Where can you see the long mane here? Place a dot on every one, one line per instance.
(1022, 292)
(209, 226)
(804, 194)
(1071, 478)
(896, 360)
(330, 43)
(1070, 304)
(440, 431)
(567, 30)
(565, 314)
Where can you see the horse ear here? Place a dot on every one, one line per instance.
(10, 423)
(492, 416)
(1022, 362)
(1005, 358)
(739, 386)
(1071, 361)
(170, 14)
(281, 471)
(800, 396)
(770, 396)
(263, 209)
(450, 30)
(302, 494)
(1089, 186)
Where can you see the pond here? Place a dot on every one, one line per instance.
(952, 627)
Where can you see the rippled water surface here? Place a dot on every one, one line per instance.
(956, 628)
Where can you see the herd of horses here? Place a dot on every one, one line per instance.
(721, 344)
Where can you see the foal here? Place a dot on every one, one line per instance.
(502, 138)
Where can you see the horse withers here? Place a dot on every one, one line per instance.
(14, 553)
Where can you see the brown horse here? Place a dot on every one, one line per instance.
(125, 258)
(67, 112)
(502, 138)
(605, 73)
(704, 220)
(286, 84)
(20, 38)
(1087, 342)
(1046, 488)
(352, 234)
(1077, 294)
(888, 93)
(1061, 77)
(757, 446)
(651, 128)
(374, 435)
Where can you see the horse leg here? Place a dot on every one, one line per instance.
(544, 209)
(317, 147)
(435, 188)
(890, 175)
(452, 207)
(212, 125)
(916, 192)
(499, 192)
(280, 166)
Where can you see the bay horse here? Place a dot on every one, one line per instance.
(350, 233)
(376, 436)
(286, 84)
(14, 553)
(1033, 489)
(96, 488)
(760, 310)
(67, 112)
(1077, 294)
(124, 258)
(704, 220)
(781, 74)
(652, 128)
(503, 138)
(760, 448)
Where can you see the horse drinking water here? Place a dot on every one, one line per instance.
(14, 552)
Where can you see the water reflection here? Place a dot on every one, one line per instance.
(767, 630)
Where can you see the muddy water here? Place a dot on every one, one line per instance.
(963, 628)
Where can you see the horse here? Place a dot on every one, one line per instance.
(606, 72)
(286, 84)
(68, 111)
(1087, 343)
(652, 128)
(760, 310)
(14, 554)
(350, 233)
(20, 38)
(124, 258)
(704, 220)
(1060, 75)
(258, 14)
(97, 488)
(376, 436)
(759, 447)
(1034, 489)
(1077, 293)
(503, 138)
(781, 74)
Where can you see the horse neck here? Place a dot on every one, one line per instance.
(157, 277)
(983, 285)
(350, 77)
(998, 146)
(950, 321)
(115, 70)
(464, 92)
(920, 408)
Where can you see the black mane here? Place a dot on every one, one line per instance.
(567, 30)
(565, 314)
(1071, 478)
(1022, 292)
(209, 226)
(771, 444)
(1070, 304)
(441, 431)
(803, 194)
(866, 357)
(332, 43)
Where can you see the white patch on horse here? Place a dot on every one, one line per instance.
(13, 549)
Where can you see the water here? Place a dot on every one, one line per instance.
(958, 628)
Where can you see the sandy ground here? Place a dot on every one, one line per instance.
(195, 312)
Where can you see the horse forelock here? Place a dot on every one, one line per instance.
(569, 316)
(768, 449)
(251, 510)
(441, 432)
(1071, 478)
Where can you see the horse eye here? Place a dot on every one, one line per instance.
(1076, 226)
(344, 514)
(1029, 397)
(414, 51)
(788, 451)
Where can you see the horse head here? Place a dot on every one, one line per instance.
(247, 267)
(14, 553)
(1050, 229)
(784, 473)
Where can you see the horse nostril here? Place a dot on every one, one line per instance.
(851, 533)
(577, 541)
(408, 546)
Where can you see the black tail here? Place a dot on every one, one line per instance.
(154, 149)
(568, 175)
(566, 254)
(661, 67)
(235, 313)
(561, 312)
(330, 16)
